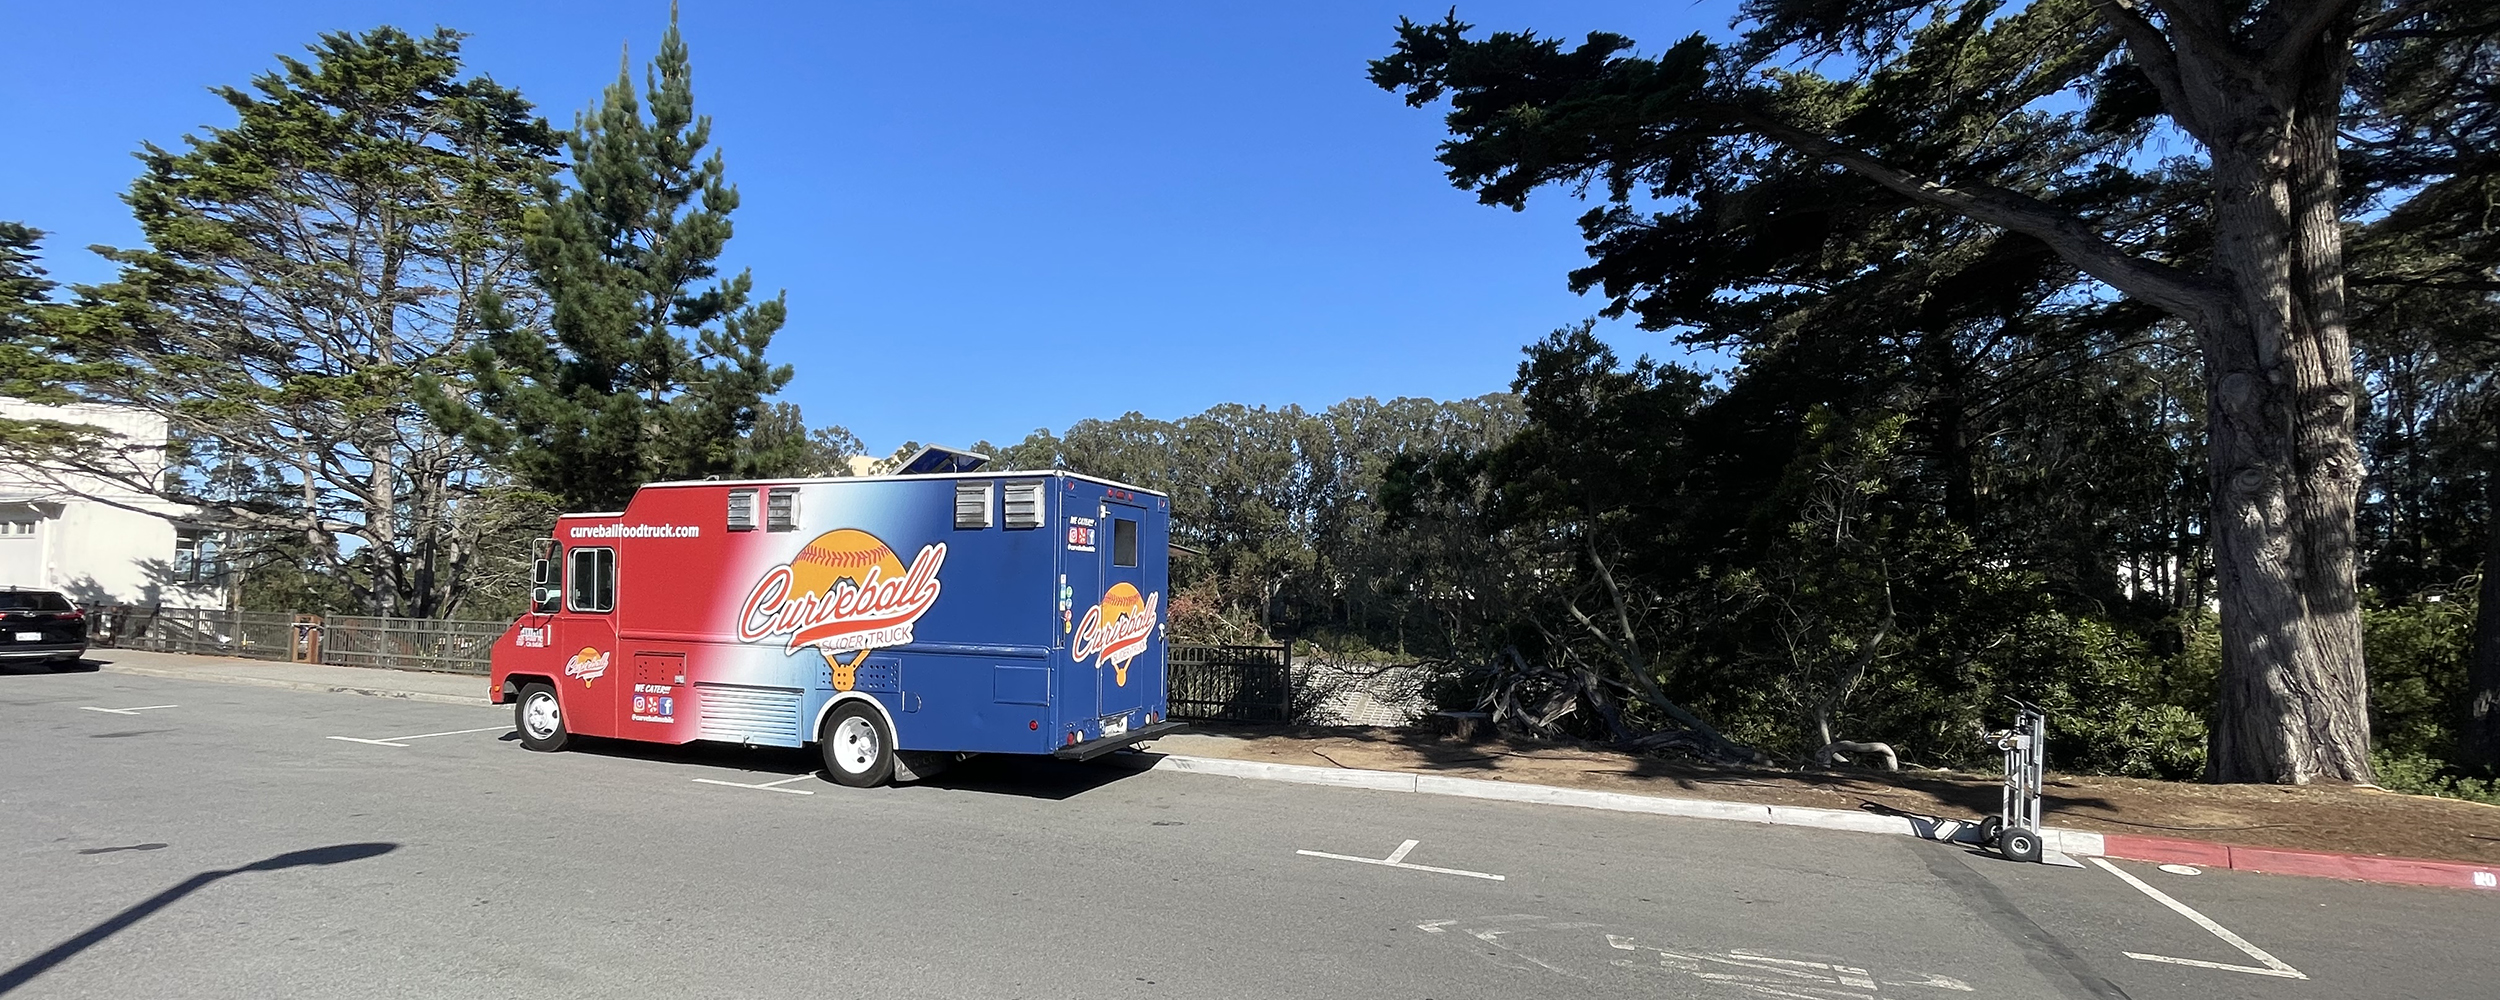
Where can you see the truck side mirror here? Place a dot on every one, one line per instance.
(538, 573)
(542, 598)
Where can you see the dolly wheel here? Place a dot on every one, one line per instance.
(2019, 844)
(1989, 829)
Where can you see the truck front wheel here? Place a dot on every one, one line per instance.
(859, 750)
(540, 718)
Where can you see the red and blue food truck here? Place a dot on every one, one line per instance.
(897, 622)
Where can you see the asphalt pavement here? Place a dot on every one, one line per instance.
(178, 838)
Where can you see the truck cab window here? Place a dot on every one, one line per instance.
(592, 576)
(1123, 542)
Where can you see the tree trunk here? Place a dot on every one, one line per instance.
(2481, 740)
(2286, 471)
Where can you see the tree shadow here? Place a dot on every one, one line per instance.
(27, 970)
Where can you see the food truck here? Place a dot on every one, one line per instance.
(897, 622)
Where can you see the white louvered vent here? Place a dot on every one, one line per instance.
(1024, 505)
(972, 505)
(781, 509)
(742, 510)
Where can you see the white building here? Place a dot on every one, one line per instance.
(99, 542)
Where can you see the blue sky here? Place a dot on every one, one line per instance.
(989, 217)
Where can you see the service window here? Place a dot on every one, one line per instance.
(593, 573)
(1123, 542)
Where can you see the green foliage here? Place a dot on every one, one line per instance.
(307, 268)
(641, 372)
(2420, 774)
(2418, 650)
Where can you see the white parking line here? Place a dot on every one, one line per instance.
(2273, 966)
(394, 740)
(1397, 859)
(128, 711)
(769, 786)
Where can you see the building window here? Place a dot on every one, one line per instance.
(196, 558)
(17, 528)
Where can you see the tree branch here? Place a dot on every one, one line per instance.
(2150, 48)
(2174, 291)
(2289, 35)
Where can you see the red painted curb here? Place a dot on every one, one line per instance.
(2321, 864)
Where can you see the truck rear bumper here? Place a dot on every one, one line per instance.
(1091, 749)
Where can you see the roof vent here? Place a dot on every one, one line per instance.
(781, 509)
(972, 505)
(937, 459)
(1024, 504)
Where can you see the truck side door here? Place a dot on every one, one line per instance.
(585, 636)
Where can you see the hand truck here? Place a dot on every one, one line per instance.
(2015, 830)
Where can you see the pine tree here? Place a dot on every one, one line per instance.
(643, 372)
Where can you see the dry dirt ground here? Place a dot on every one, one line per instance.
(2317, 818)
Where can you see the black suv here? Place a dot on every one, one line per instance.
(41, 624)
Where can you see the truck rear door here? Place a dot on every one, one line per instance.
(1131, 607)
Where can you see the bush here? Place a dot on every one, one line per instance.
(2106, 699)
(2417, 651)
(2420, 774)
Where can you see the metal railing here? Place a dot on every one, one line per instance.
(337, 640)
(408, 643)
(1231, 683)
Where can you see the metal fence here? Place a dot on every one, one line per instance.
(1208, 683)
(1232, 683)
(338, 640)
(408, 643)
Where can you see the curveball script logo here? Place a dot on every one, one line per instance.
(845, 593)
(1117, 630)
(588, 665)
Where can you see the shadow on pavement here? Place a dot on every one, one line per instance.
(1030, 776)
(27, 970)
(83, 666)
(1036, 777)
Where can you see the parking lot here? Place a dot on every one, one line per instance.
(180, 838)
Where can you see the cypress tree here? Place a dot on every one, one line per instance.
(647, 368)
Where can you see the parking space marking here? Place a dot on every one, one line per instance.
(769, 786)
(128, 711)
(394, 740)
(2273, 966)
(1397, 859)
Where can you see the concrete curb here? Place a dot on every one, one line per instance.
(2317, 864)
(197, 675)
(2073, 842)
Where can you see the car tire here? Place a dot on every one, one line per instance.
(2019, 844)
(857, 747)
(539, 715)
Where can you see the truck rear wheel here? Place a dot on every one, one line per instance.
(858, 748)
(540, 718)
